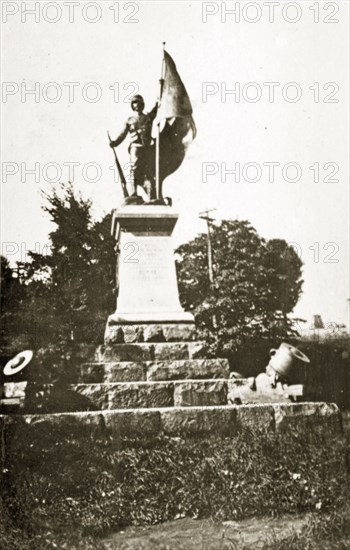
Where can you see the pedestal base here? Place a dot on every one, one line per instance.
(117, 332)
(147, 285)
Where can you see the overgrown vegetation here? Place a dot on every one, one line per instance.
(256, 285)
(57, 483)
(66, 292)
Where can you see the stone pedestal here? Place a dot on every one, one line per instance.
(150, 359)
(148, 305)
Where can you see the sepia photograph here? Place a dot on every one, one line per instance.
(175, 301)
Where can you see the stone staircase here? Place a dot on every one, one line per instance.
(149, 388)
(131, 374)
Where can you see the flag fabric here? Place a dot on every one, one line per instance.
(174, 101)
(175, 117)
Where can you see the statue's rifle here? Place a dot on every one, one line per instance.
(120, 171)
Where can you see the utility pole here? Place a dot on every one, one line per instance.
(205, 216)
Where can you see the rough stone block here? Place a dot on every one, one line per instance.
(195, 393)
(169, 351)
(188, 369)
(125, 372)
(94, 373)
(114, 335)
(77, 424)
(96, 393)
(125, 352)
(179, 332)
(308, 416)
(132, 334)
(141, 422)
(197, 420)
(141, 395)
(153, 333)
(255, 417)
(149, 332)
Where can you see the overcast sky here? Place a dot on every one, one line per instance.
(298, 122)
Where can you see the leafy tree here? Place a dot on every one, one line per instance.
(256, 284)
(11, 293)
(284, 275)
(70, 289)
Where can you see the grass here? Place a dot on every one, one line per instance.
(330, 531)
(66, 489)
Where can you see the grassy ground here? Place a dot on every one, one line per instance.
(311, 531)
(71, 490)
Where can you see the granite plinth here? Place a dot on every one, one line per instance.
(147, 351)
(156, 371)
(128, 395)
(199, 393)
(154, 394)
(125, 333)
(147, 285)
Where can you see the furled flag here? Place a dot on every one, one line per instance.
(175, 112)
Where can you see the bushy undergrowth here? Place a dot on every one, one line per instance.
(58, 481)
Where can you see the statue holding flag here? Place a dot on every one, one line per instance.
(140, 149)
(153, 159)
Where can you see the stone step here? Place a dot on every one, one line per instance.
(324, 418)
(155, 351)
(117, 333)
(178, 393)
(125, 371)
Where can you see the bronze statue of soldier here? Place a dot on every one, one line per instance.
(141, 150)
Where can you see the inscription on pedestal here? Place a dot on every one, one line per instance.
(147, 275)
(146, 269)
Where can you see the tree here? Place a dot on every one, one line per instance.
(284, 275)
(70, 289)
(11, 295)
(256, 284)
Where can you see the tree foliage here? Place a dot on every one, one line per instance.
(256, 285)
(11, 297)
(69, 290)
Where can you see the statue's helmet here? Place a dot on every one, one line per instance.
(137, 99)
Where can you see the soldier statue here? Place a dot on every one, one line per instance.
(141, 149)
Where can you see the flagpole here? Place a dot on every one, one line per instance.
(161, 82)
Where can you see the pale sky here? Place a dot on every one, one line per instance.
(299, 125)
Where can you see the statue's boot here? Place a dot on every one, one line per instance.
(164, 201)
(133, 199)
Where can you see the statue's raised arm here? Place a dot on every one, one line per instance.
(152, 160)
